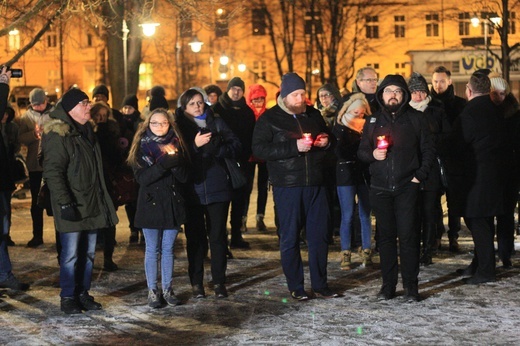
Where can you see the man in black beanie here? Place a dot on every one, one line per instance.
(73, 170)
(232, 107)
(213, 91)
(293, 139)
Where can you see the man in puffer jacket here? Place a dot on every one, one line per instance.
(398, 145)
(73, 170)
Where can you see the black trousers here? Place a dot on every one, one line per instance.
(482, 231)
(429, 201)
(205, 221)
(35, 180)
(396, 213)
(506, 221)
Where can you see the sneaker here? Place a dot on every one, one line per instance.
(411, 294)
(346, 260)
(35, 242)
(300, 295)
(198, 291)
(70, 306)
(239, 244)
(220, 291)
(14, 284)
(325, 293)
(87, 302)
(154, 299)
(170, 298)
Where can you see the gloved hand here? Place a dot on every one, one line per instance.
(170, 161)
(70, 212)
(213, 145)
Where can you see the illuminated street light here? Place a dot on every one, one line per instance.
(224, 59)
(195, 45)
(242, 67)
(149, 28)
(475, 21)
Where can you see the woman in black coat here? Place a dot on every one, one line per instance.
(157, 157)
(208, 190)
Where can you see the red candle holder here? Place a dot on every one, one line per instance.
(382, 143)
(307, 137)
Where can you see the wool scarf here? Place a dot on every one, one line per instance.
(152, 146)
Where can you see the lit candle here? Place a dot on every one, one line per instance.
(307, 137)
(382, 143)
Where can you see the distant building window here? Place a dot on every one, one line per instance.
(432, 25)
(313, 23)
(186, 28)
(14, 39)
(464, 23)
(372, 27)
(399, 26)
(221, 24)
(90, 40)
(259, 21)
(52, 40)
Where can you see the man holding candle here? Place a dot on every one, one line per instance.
(293, 138)
(397, 144)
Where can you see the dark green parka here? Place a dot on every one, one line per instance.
(73, 170)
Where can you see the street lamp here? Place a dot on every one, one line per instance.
(475, 21)
(195, 45)
(148, 31)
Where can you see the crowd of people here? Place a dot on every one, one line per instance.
(390, 148)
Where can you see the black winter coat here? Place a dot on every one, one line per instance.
(411, 152)
(350, 171)
(451, 103)
(477, 144)
(160, 204)
(208, 181)
(274, 140)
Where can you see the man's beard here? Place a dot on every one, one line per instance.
(297, 109)
(392, 108)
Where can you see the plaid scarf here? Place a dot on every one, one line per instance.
(152, 146)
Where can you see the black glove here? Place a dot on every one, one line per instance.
(170, 161)
(213, 145)
(70, 212)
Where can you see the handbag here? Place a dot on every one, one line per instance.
(20, 171)
(235, 172)
(442, 170)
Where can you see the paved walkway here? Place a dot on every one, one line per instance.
(259, 310)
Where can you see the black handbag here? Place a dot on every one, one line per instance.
(235, 172)
(442, 169)
(20, 171)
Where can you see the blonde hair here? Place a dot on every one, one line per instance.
(133, 160)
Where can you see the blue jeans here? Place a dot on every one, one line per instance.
(76, 261)
(299, 207)
(5, 211)
(159, 242)
(347, 202)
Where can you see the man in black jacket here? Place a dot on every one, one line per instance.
(397, 144)
(292, 138)
(232, 107)
(442, 91)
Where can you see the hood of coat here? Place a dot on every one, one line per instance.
(398, 81)
(60, 122)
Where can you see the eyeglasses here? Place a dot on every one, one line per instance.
(322, 96)
(85, 103)
(370, 80)
(395, 92)
(157, 124)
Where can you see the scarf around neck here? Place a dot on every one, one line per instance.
(421, 106)
(152, 146)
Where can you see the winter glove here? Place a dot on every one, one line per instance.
(70, 212)
(170, 161)
(213, 145)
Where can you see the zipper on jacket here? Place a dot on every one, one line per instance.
(305, 156)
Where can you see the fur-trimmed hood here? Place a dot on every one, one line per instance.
(60, 122)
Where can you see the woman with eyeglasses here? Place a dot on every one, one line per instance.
(208, 190)
(157, 156)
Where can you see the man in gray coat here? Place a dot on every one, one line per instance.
(72, 167)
